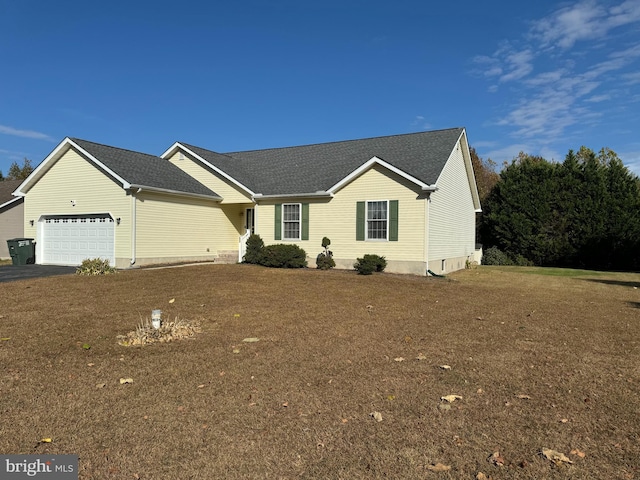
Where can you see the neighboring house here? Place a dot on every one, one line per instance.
(11, 215)
(411, 198)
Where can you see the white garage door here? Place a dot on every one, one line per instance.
(69, 239)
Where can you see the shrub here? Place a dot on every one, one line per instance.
(254, 249)
(495, 256)
(283, 256)
(95, 266)
(370, 263)
(324, 260)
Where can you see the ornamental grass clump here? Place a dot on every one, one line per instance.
(95, 266)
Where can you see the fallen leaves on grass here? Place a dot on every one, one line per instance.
(451, 398)
(496, 459)
(556, 457)
(482, 476)
(524, 397)
(438, 467)
(377, 416)
(399, 359)
(124, 381)
(100, 385)
(172, 300)
(251, 340)
(421, 356)
(578, 453)
(46, 440)
(5, 339)
(445, 367)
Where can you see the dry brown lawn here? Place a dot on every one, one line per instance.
(540, 361)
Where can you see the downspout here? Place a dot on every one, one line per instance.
(427, 219)
(133, 226)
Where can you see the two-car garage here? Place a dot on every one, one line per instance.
(69, 239)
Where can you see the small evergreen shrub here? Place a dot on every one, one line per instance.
(95, 266)
(370, 263)
(495, 256)
(283, 256)
(254, 249)
(324, 260)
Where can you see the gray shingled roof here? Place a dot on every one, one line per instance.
(313, 168)
(144, 170)
(6, 188)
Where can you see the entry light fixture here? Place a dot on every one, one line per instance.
(118, 221)
(31, 222)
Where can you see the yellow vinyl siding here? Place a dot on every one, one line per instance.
(172, 227)
(223, 187)
(336, 218)
(72, 178)
(452, 226)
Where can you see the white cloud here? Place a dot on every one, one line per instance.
(420, 122)
(582, 21)
(24, 133)
(561, 69)
(631, 160)
(598, 98)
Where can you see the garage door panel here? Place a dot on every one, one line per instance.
(69, 240)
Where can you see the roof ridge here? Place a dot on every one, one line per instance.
(190, 145)
(74, 139)
(338, 141)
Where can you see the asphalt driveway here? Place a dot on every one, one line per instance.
(10, 273)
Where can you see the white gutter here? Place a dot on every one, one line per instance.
(430, 188)
(318, 194)
(11, 201)
(174, 192)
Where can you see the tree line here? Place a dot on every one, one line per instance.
(18, 172)
(583, 212)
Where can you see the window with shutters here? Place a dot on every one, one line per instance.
(291, 221)
(377, 217)
(377, 220)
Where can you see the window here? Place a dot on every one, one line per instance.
(377, 220)
(291, 221)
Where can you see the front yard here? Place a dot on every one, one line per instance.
(293, 369)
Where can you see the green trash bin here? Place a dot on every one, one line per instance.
(22, 250)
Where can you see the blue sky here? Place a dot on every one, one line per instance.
(540, 77)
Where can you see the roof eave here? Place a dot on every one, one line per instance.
(173, 192)
(177, 146)
(14, 200)
(377, 161)
(318, 194)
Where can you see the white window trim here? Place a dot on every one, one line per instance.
(282, 229)
(366, 222)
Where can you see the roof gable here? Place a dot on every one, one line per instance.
(130, 169)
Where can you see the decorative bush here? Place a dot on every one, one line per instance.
(95, 266)
(495, 256)
(283, 256)
(370, 263)
(254, 249)
(324, 261)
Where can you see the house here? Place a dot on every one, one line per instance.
(411, 198)
(11, 215)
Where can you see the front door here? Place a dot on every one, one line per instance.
(249, 220)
